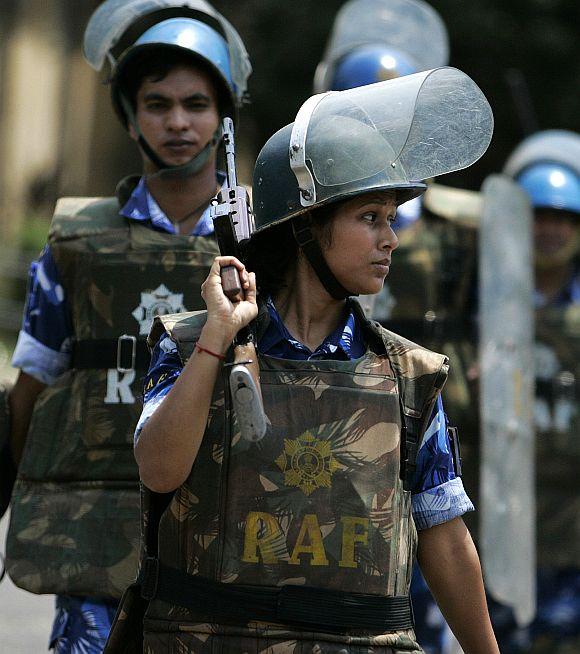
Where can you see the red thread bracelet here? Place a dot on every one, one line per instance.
(221, 357)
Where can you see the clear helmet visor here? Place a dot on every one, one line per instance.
(397, 133)
(411, 27)
(113, 18)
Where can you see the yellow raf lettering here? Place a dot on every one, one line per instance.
(150, 385)
(262, 530)
(265, 541)
(309, 529)
(350, 536)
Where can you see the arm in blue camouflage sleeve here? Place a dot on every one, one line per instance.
(163, 372)
(42, 351)
(438, 493)
(43, 348)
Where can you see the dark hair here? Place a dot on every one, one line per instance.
(273, 253)
(150, 65)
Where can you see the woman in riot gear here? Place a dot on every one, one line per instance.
(304, 540)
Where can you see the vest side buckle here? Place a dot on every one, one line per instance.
(126, 353)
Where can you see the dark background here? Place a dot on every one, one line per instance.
(285, 39)
(538, 38)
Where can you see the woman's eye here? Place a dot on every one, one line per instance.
(369, 217)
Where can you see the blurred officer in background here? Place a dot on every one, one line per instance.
(428, 292)
(547, 167)
(111, 265)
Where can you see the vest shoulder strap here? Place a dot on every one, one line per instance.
(421, 375)
(184, 329)
(82, 217)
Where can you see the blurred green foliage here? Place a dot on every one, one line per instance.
(32, 236)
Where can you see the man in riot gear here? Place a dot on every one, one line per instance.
(110, 266)
(547, 168)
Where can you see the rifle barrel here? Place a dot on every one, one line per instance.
(230, 148)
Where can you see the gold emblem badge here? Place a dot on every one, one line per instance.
(307, 463)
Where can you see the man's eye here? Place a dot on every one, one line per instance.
(155, 106)
(369, 217)
(197, 106)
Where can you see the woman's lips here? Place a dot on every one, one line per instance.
(382, 265)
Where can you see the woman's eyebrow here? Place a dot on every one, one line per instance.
(375, 200)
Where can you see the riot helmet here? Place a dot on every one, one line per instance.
(370, 64)
(547, 167)
(124, 31)
(386, 136)
(378, 40)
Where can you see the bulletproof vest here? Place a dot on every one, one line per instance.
(317, 503)
(557, 420)
(75, 508)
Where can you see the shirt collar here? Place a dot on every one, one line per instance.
(143, 207)
(345, 342)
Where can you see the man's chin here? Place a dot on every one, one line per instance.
(178, 161)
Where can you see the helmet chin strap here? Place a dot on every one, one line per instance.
(165, 170)
(302, 228)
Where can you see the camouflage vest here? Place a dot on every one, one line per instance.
(75, 508)
(319, 502)
(557, 417)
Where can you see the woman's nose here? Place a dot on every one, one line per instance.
(389, 240)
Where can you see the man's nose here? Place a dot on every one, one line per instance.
(177, 119)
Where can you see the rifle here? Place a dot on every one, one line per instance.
(234, 223)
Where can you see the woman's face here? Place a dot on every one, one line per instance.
(362, 241)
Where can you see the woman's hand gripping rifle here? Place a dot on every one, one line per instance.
(234, 223)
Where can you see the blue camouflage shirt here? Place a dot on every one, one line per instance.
(438, 493)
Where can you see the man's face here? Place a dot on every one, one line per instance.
(177, 115)
(555, 233)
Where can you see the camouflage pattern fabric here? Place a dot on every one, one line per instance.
(317, 502)
(7, 465)
(557, 414)
(75, 513)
